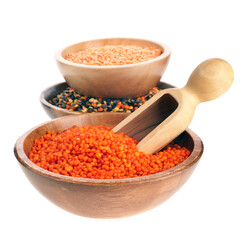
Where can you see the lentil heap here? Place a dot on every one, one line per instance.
(114, 55)
(73, 101)
(97, 152)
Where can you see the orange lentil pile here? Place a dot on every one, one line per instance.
(114, 55)
(97, 152)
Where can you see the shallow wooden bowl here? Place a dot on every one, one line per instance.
(55, 112)
(104, 198)
(113, 81)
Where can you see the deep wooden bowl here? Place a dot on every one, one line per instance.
(97, 198)
(113, 81)
(55, 112)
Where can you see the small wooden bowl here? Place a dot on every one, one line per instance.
(113, 81)
(98, 198)
(55, 112)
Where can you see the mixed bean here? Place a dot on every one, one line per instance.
(71, 100)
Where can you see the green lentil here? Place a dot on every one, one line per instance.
(71, 100)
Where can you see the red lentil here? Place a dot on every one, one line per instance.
(114, 55)
(97, 152)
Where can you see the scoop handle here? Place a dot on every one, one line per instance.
(210, 79)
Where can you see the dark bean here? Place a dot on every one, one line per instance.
(77, 102)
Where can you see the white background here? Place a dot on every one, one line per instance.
(207, 206)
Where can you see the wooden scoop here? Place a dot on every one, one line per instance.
(169, 112)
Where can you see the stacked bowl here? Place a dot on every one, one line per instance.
(105, 198)
(107, 81)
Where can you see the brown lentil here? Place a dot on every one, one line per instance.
(114, 55)
(71, 100)
(98, 152)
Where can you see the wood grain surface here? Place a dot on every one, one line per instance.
(113, 81)
(170, 111)
(97, 198)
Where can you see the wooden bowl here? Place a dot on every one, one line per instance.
(113, 81)
(55, 112)
(104, 198)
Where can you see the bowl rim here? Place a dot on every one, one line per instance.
(166, 53)
(25, 161)
(45, 103)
